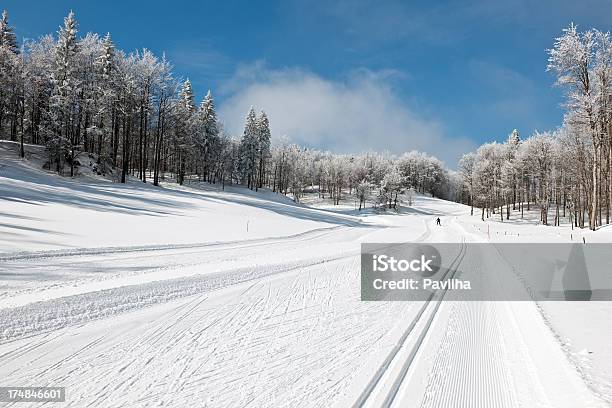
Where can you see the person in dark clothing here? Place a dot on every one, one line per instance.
(438, 222)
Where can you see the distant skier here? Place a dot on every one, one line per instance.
(438, 221)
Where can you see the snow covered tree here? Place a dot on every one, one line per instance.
(295, 171)
(38, 87)
(11, 72)
(249, 149)
(209, 141)
(147, 67)
(572, 58)
(539, 153)
(466, 171)
(363, 190)
(184, 117)
(263, 146)
(61, 137)
(165, 89)
(105, 113)
(7, 36)
(390, 187)
(12, 81)
(487, 177)
(510, 171)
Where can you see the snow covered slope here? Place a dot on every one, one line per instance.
(42, 211)
(140, 296)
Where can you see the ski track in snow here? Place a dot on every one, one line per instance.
(79, 252)
(86, 266)
(264, 336)
(388, 395)
(471, 345)
(470, 354)
(90, 302)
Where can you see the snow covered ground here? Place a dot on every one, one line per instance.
(130, 295)
(43, 211)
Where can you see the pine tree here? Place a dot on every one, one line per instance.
(106, 95)
(249, 149)
(7, 36)
(186, 97)
(65, 52)
(184, 130)
(107, 59)
(514, 139)
(60, 142)
(210, 134)
(263, 145)
(11, 69)
(210, 115)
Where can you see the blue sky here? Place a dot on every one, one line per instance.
(352, 75)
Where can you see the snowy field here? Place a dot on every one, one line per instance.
(43, 211)
(130, 295)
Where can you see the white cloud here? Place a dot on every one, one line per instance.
(350, 116)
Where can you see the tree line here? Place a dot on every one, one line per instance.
(82, 95)
(566, 172)
(379, 178)
(84, 99)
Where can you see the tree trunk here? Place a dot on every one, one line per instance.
(593, 212)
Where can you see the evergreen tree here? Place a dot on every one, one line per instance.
(7, 36)
(107, 59)
(106, 96)
(184, 128)
(65, 53)
(249, 149)
(210, 135)
(263, 145)
(60, 140)
(209, 116)
(514, 139)
(186, 98)
(11, 69)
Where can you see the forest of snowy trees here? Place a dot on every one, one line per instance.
(128, 114)
(564, 173)
(83, 96)
(85, 100)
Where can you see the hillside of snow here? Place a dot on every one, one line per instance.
(44, 211)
